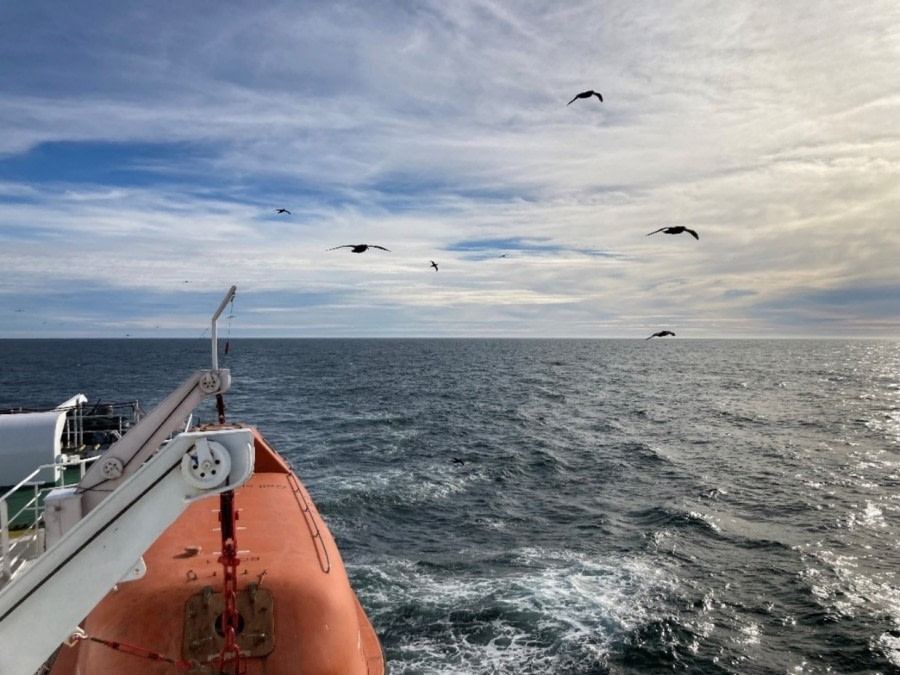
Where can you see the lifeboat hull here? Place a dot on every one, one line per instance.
(297, 611)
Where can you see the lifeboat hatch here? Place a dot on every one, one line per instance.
(203, 639)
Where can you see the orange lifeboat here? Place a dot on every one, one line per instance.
(293, 611)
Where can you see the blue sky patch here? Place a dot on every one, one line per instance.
(119, 164)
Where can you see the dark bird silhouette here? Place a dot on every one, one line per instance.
(282, 211)
(502, 256)
(661, 333)
(675, 229)
(359, 248)
(586, 94)
(434, 265)
(457, 460)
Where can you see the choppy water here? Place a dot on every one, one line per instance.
(625, 506)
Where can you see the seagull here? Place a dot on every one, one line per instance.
(434, 265)
(282, 211)
(586, 94)
(661, 333)
(676, 229)
(457, 460)
(359, 248)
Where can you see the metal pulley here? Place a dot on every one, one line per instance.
(206, 464)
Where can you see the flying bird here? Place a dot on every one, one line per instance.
(586, 94)
(434, 265)
(282, 211)
(676, 229)
(661, 333)
(457, 460)
(359, 248)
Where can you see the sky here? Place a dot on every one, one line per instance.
(145, 148)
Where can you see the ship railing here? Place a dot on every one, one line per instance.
(109, 421)
(88, 423)
(21, 534)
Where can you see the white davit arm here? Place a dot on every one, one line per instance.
(40, 608)
(126, 455)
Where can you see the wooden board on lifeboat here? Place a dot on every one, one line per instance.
(298, 612)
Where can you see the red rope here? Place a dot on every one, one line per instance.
(135, 650)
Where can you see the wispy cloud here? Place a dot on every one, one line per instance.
(143, 154)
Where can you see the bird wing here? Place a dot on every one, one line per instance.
(572, 101)
(655, 231)
(599, 96)
(381, 247)
(337, 247)
(693, 234)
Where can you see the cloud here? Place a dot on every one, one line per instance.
(140, 149)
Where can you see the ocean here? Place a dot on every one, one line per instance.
(617, 506)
